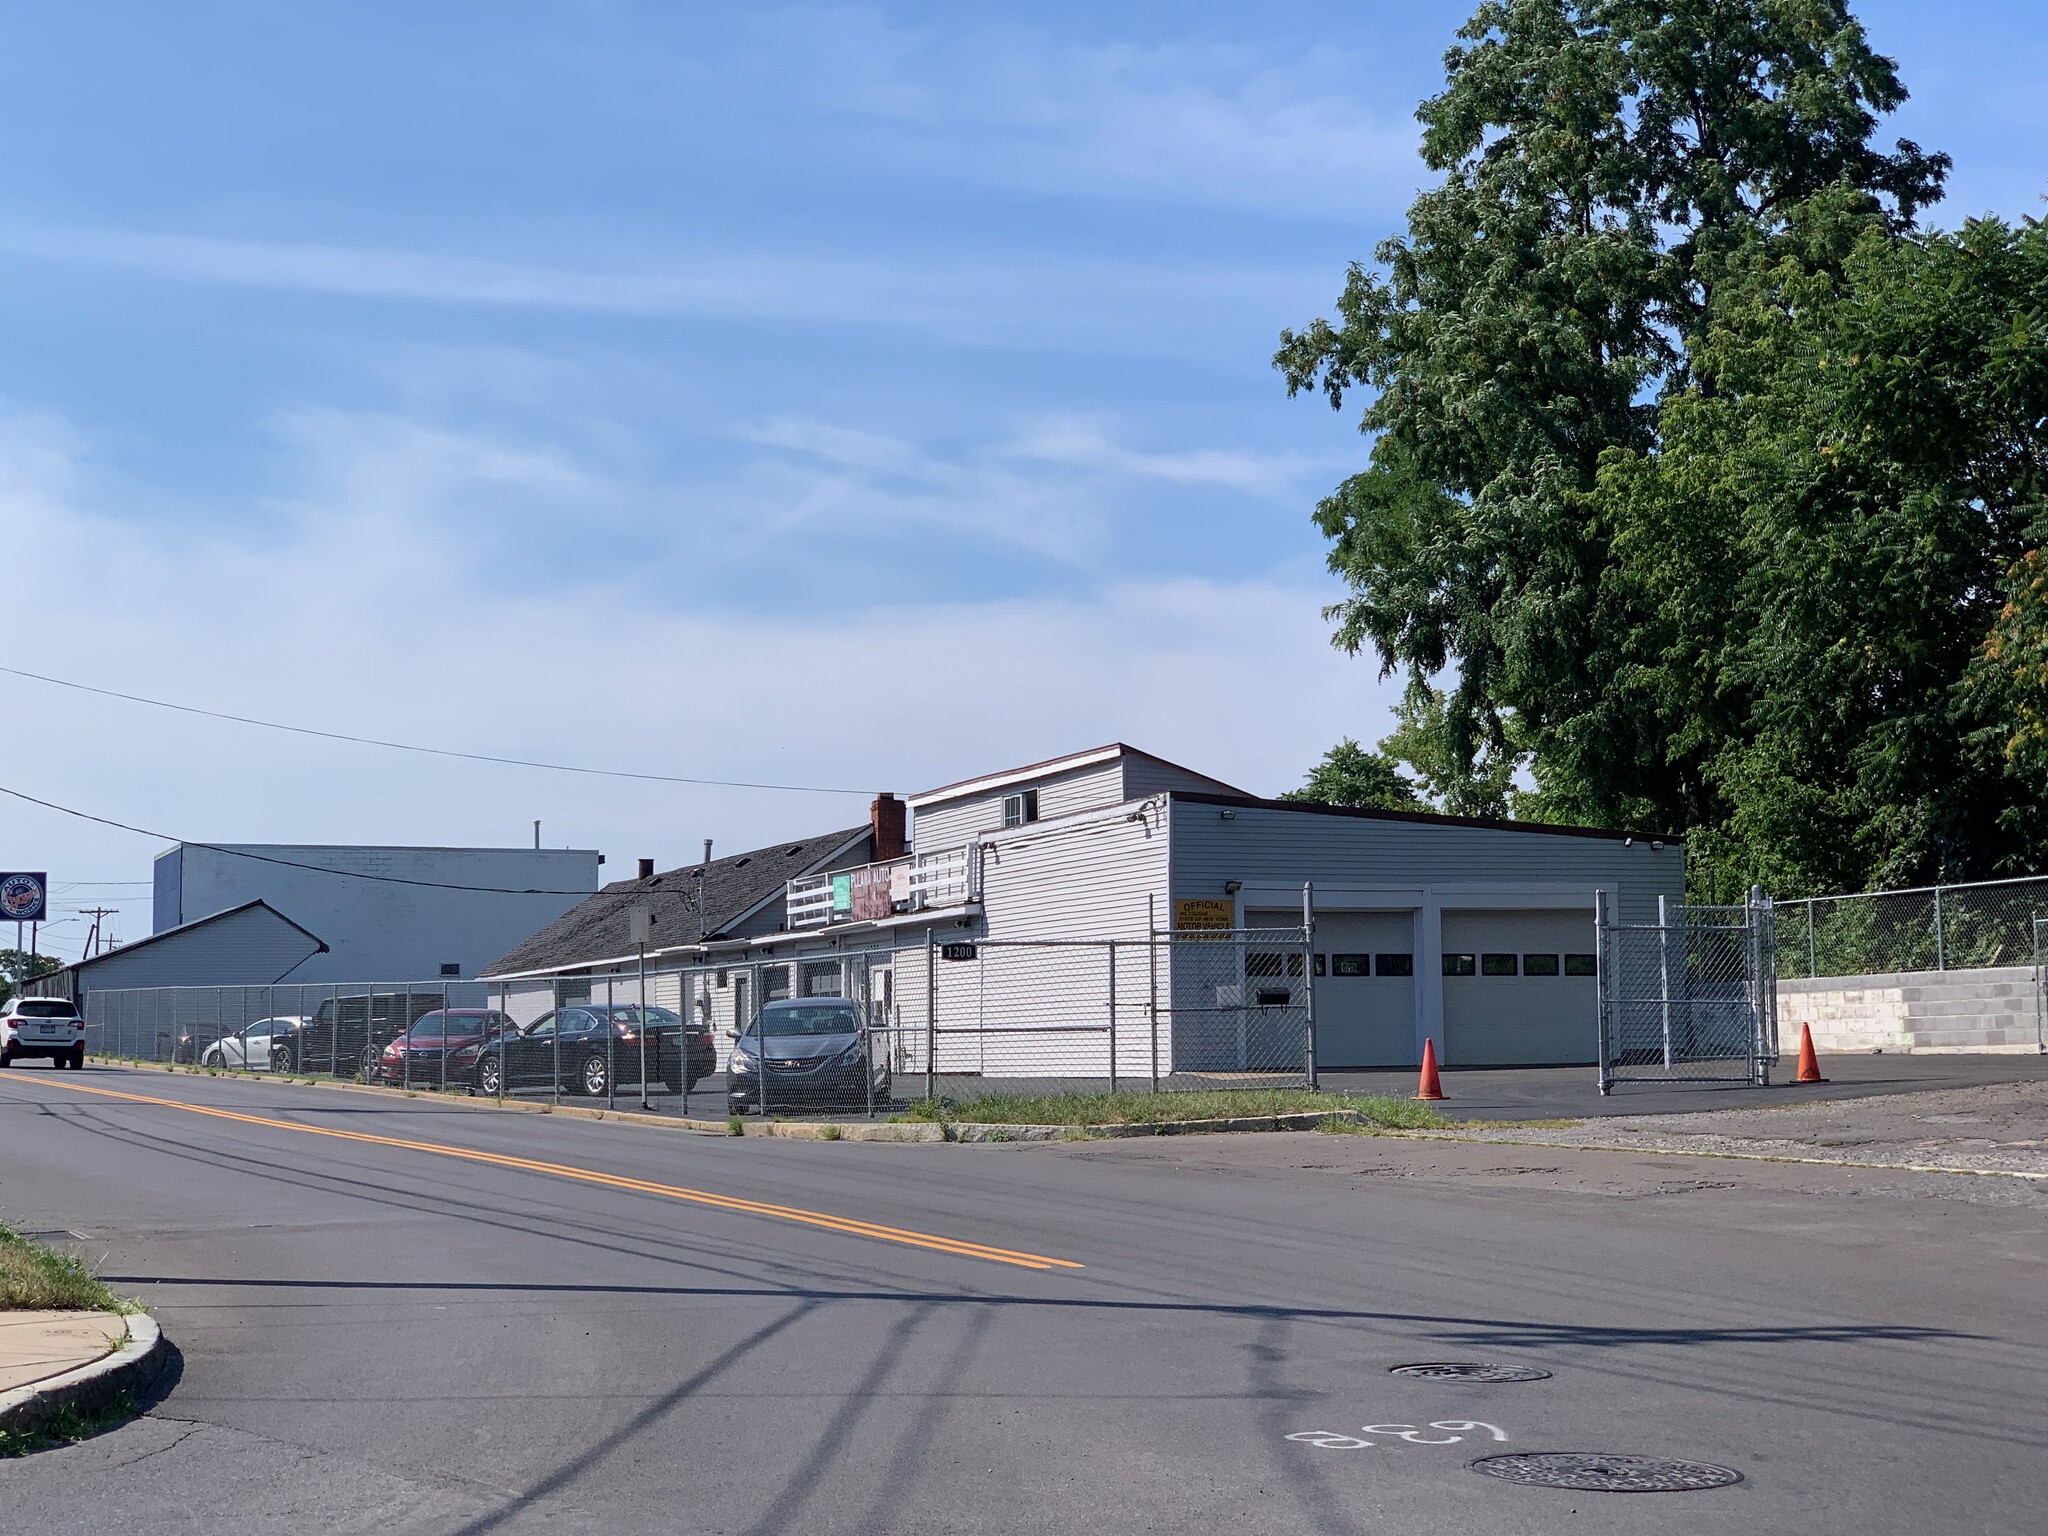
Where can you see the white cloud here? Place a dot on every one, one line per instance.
(362, 606)
(1084, 442)
(1261, 129)
(1077, 303)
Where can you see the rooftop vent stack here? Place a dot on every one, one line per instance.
(647, 869)
(885, 822)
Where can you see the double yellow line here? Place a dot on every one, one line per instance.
(830, 1223)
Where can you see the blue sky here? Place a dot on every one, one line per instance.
(867, 396)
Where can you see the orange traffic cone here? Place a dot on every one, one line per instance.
(1809, 1064)
(1429, 1088)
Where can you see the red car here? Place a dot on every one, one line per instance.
(441, 1047)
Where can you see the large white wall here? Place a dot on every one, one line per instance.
(382, 929)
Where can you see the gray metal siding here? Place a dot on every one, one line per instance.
(247, 948)
(167, 879)
(379, 930)
(1288, 847)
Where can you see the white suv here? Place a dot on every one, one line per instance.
(42, 1026)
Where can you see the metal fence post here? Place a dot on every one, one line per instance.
(1602, 944)
(611, 1046)
(644, 1028)
(1940, 953)
(1758, 982)
(1812, 949)
(1664, 970)
(1308, 974)
(931, 1021)
(1112, 1016)
(1152, 981)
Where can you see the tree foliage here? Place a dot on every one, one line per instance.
(1351, 775)
(1702, 483)
(18, 966)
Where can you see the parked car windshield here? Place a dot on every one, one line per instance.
(820, 1018)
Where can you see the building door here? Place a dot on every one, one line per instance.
(1365, 993)
(1520, 988)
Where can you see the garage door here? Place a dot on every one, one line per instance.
(1519, 988)
(1365, 996)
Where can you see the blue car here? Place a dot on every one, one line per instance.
(818, 1053)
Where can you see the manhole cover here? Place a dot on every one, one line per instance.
(1596, 1472)
(1465, 1370)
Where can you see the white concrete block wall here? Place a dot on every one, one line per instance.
(1992, 1009)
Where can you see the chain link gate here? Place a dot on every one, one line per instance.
(1692, 997)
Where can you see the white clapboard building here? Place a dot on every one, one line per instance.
(1474, 933)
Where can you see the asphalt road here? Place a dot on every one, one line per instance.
(564, 1326)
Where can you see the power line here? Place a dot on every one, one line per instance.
(264, 858)
(406, 746)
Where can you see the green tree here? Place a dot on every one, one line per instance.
(1350, 775)
(18, 965)
(1605, 165)
(1820, 590)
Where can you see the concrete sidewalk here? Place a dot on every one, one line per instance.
(37, 1346)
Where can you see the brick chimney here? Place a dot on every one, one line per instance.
(885, 822)
(647, 869)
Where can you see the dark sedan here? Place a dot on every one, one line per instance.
(818, 1052)
(594, 1048)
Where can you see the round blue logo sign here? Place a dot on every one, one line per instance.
(21, 899)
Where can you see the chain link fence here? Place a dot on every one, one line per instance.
(1690, 997)
(858, 1032)
(1933, 928)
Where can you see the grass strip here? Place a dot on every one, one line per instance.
(1171, 1108)
(38, 1279)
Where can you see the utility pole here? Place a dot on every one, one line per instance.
(92, 940)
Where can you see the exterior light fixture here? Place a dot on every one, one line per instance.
(1232, 887)
(1227, 815)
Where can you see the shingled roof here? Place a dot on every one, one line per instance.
(733, 887)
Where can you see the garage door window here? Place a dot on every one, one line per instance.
(1261, 963)
(1461, 965)
(1582, 965)
(1394, 965)
(1498, 965)
(1539, 965)
(1351, 965)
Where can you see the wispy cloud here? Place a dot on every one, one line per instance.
(1076, 303)
(372, 604)
(1274, 129)
(1084, 442)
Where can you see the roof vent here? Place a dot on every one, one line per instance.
(742, 863)
(792, 850)
(647, 869)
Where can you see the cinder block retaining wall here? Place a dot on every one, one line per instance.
(1978, 1010)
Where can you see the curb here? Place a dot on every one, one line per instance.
(803, 1130)
(1306, 1121)
(132, 1369)
(791, 1130)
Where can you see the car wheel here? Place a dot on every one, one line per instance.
(369, 1064)
(593, 1078)
(6, 1059)
(489, 1079)
(280, 1060)
(213, 1058)
(78, 1058)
